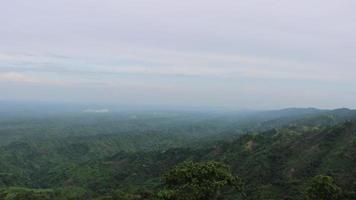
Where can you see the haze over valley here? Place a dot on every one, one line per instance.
(177, 100)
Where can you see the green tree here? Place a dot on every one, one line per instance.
(324, 188)
(199, 181)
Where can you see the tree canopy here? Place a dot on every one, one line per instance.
(324, 188)
(199, 181)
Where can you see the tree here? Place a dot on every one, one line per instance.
(199, 181)
(323, 188)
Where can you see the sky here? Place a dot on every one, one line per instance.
(255, 54)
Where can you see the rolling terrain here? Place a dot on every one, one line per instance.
(95, 156)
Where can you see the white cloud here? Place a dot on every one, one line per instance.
(172, 63)
(16, 77)
(184, 47)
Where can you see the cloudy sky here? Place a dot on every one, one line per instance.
(230, 53)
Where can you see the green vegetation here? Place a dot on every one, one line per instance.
(324, 188)
(180, 156)
(198, 181)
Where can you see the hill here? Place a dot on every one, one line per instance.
(275, 152)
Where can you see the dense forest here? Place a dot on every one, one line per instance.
(191, 155)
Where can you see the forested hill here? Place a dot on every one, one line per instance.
(275, 165)
(276, 153)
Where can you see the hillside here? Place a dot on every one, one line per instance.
(276, 155)
(275, 164)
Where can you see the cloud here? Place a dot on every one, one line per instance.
(160, 63)
(16, 77)
(29, 79)
(198, 49)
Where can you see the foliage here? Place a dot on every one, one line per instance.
(324, 188)
(198, 181)
(25, 194)
(123, 156)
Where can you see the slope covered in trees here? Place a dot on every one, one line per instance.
(275, 153)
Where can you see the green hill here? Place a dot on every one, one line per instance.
(276, 155)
